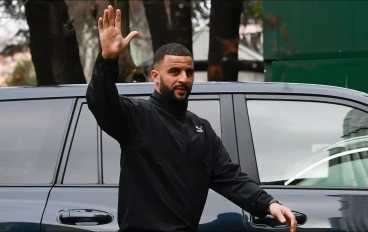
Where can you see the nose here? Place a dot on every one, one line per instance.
(183, 77)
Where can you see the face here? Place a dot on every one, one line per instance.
(174, 77)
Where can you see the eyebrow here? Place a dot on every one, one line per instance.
(178, 68)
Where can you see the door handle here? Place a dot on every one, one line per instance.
(84, 217)
(270, 221)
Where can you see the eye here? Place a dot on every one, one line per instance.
(190, 72)
(174, 70)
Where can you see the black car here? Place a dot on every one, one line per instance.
(307, 145)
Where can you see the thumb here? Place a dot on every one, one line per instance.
(131, 36)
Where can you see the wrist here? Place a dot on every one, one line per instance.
(108, 56)
(273, 202)
(102, 61)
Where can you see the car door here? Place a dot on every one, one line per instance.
(79, 201)
(311, 154)
(31, 137)
(88, 183)
(219, 214)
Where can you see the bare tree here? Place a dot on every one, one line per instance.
(172, 24)
(53, 43)
(40, 44)
(158, 22)
(127, 67)
(84, 17)
(141, 46)
(181, 22)
(224, 40)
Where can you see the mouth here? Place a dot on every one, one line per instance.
(181, 90)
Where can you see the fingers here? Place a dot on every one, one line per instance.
(118, 19)
(100, 23)
(281, 217)
(291, 220)
(106, 19)
(131, 35)
(111, 16)
(284, 215)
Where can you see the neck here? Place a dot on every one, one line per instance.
(175, 107)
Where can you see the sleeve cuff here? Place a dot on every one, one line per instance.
(108, 67)
(104, 61)
(263, 204)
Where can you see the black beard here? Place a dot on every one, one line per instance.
(166, 91)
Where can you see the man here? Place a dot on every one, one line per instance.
(167, 167)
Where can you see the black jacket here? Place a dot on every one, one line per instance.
(167, 163)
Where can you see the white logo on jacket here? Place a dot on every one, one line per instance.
(199, 129)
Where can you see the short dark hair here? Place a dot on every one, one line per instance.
(173, 49)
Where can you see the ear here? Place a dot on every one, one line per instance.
(155, 76)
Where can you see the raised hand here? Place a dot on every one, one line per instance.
(112, 41)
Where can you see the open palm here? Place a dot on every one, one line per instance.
(112, 41)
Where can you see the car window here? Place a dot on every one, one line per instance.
(82, 163)
(208, 109)
(314, 144)
(31, 136)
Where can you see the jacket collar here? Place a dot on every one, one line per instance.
(176, 108)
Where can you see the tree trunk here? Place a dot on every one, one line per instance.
(158, 22)
(224, 40)
(54, 47)
(181, 22)
(84, 16)
(40, 41)
(65, 58)
(126, 64)
(141, 46)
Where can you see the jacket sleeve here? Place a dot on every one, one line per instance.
(228, 180)
(112, 111)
